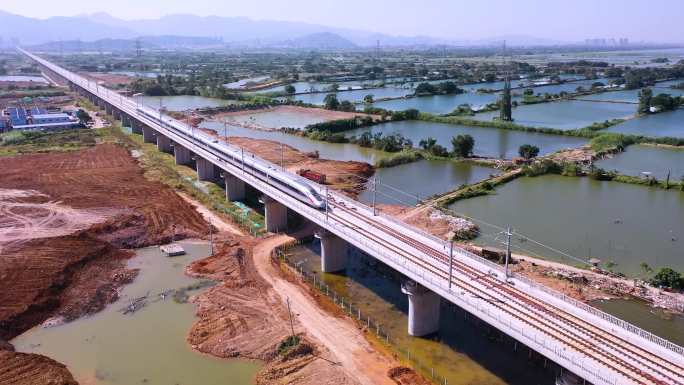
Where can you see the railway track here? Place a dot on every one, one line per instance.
(616, 353)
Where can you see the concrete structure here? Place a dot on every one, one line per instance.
(148, 134)
(423, 314)
(275, 213)
(163, 143)
(205, 169)
(182, 154)
(235, 187)
(334, 252)
(136, 127)
(598, 347)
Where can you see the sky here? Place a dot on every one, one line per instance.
(567, 20)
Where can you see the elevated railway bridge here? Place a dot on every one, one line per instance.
(596, 346)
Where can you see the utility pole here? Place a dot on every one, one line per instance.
(326, 203)
(451, 262)
(211, 239)
(667, 180)
(508, 249)
(375, 189)
(242, 150)
(289, 311)
(282, 157)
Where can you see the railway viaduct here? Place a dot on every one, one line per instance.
(598, 347)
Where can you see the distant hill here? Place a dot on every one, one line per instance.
(233, 31)
(321, 40)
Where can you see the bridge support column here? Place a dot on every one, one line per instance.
(125, 121)
(333, 252)
(163, 143)
(205, 169)
(116, 114)
(108, 109)
(275, 213)
(423, 309)
(235, 187)
(136, 127)
(148, 135)
(181, 154)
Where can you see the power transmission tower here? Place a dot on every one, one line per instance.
(138, 47)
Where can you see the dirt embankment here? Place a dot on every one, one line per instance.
(433, 221)
(346, 176)
(243, 317)
(32, 369)
(304, 111)
(65, 217)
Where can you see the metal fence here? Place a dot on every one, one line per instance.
(354, 312)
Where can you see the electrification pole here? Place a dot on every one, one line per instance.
(508, 249)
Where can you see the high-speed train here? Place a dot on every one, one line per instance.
(295, 185)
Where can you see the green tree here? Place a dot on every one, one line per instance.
(83, 117)
(645, 97)
(528, 151)
(427, 144)
(368, 99)
(290, 89)
(331, 102)
(347, 106)
(666, 277)
(463, 145)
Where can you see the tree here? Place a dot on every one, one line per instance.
(645, 96)
(463, 145)
(427, 144)
(290, 89)
(331, 102)
(668, 278)
(368, 99)
(610, 265)
(528, 151)
(528, 92)
(425, 89)
(347, 106)
(83, 117)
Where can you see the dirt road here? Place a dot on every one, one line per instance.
(344, 340)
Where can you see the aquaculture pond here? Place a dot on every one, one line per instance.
(669, 123)
(409, 183)
(464, 350)
(353, 96)
(664, 324)
(184, 102)
(565, 115)
(22, 78)
(585, 218)
(278, 118)
(640, 159)
(490, 142)
(146, 346)
(439, 104)
(335, 151)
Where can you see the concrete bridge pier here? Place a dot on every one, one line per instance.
(423, 309)
(235, 187)
(334, 251)
(136, 127)
(125, 120)
(148, 135)
(116, 114)
(205, 169)
(163, 143)
(275, 213)
(108, 109)
(181, 154)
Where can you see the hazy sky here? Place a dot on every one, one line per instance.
(569, 20)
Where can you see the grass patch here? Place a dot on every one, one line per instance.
(287, 345)
(32, 142)
(403, 157)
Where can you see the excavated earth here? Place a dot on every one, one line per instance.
(243, 317)
(65, 218)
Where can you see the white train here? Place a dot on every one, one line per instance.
(294, 185)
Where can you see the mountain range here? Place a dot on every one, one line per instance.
(237, 31)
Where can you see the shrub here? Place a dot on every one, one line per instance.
(667, 277)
